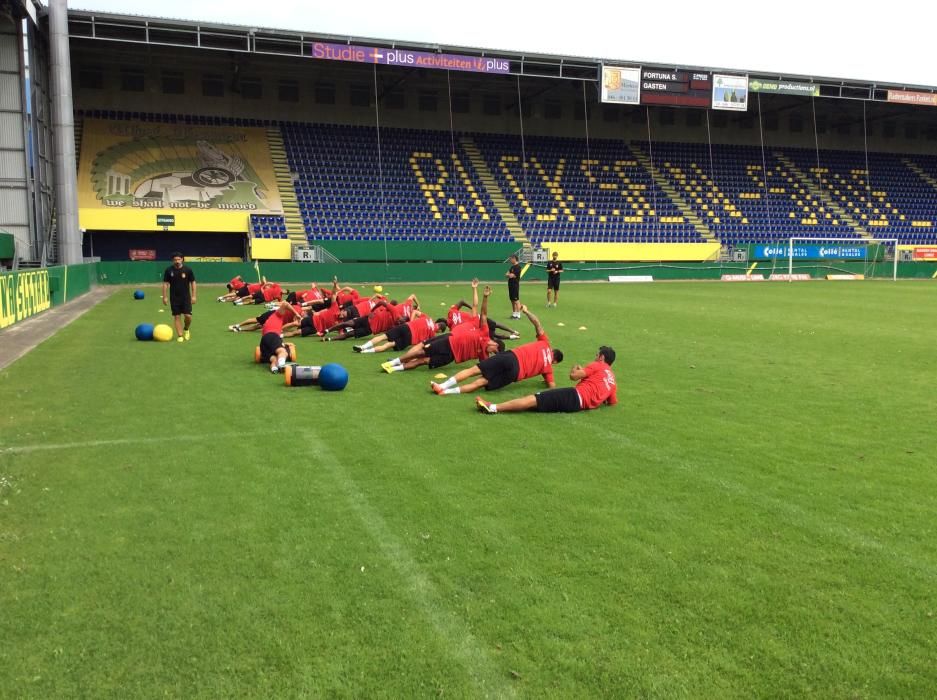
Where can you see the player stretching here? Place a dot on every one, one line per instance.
(596, 388)
(523, 362)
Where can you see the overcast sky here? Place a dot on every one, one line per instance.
(887, 42)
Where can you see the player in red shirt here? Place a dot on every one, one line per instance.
(415, 332)
(271, 342)
(242, 292)
(472, 344)
(314, 297)
(596, 387)
(269, 291)
(460, 320)
(233, 286)
(523, 362)
(379, 320)
(255, 323)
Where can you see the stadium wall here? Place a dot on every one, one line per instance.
(27, 293)
(368, 273)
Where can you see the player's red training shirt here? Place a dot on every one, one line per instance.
(325, 319)
(344, 297)
(469, 346)
(254, 288)
(308, 295)
(274, 324)
(363, 306)
(381, 320)
(457, 317)
(421, 329)
(402, 311)
(598, 387)
(236, 284)
(535, 358)
(273, 292)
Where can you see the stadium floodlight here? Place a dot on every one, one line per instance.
(872, 252)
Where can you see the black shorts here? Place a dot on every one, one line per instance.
(258, 297)
(269, 344)
(439, 351)
(307, 327)
(242, 292)
(401, 336)
(500, 369)
(291, 297)
(180, 306)
(262, 319)
(514, 291)
(553, 282)
(361, 327)
(565, 400)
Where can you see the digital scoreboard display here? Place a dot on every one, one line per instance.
(676, 88)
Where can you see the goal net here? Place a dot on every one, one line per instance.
(840, 258)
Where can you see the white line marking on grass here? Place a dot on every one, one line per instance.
(89, 444)
(453, 631)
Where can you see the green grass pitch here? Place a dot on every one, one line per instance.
(755, 518)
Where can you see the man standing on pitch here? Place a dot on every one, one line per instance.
(514, 287)
(179, 281)
(554, 270)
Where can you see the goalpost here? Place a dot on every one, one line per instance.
(874, 253)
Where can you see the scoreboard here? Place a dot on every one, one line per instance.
(676, 88)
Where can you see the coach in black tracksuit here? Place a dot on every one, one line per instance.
(514, 287)
(179, 281)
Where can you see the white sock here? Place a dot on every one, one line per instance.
(367, 346)
(396, 368)
(449, 383)
(396, 362)
(363, 349)
(494, 407)
(281, 362)
(455, 390)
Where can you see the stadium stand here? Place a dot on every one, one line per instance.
(422, 185)
(409, 185)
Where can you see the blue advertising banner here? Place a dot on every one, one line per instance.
(813, 252)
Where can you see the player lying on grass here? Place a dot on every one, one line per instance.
(414, 332)
(271, 342)
(233, 286)
(456, 317)
(243, 291)
(269, 291)
(596, 387)
(523, 362)
(469, 343)
(315, 297)
(380, 320)
(255, 323)
(316, 322)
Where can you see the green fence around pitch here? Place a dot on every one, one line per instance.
(356, 273)
(29, 292)
(417, 251)
(26, 293)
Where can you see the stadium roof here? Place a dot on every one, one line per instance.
(142, 29)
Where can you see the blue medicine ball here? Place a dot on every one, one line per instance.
(144, 331)
(138, 294)
(333, 377)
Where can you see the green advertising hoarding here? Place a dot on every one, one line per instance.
(784, 87)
